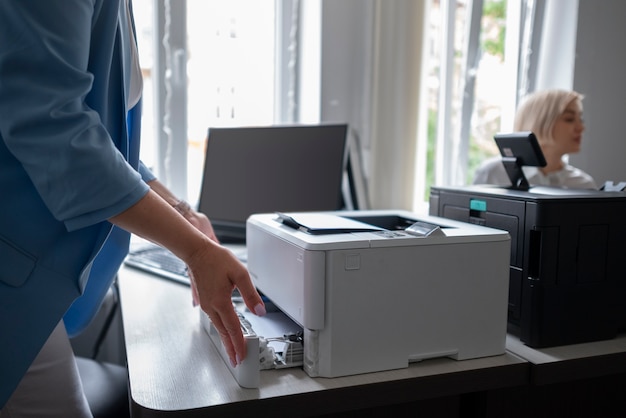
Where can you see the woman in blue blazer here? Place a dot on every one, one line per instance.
(72, 188)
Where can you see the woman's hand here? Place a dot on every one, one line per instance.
(215, 272)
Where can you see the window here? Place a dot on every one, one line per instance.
(249, 62)
(205, 63)
(469, 86)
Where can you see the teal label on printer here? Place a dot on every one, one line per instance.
(479, 205)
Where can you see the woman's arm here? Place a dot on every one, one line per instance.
(214, 270)
(197, 219)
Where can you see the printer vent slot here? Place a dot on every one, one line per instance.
(543, 254)
(534, 255)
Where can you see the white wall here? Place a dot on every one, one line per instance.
(600, 74)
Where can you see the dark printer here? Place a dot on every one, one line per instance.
(567, 273)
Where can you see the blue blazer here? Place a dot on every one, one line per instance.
(66, 165)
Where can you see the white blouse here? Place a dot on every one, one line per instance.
(492, 172)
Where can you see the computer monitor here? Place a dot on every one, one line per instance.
(263, 169)
(519, 149)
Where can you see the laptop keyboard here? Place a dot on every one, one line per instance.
(157, 260)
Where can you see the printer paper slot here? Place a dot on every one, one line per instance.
(320, 223)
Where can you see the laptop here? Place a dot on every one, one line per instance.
(262, 169)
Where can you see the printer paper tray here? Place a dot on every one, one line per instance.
(274, 325)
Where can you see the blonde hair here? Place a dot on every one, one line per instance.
(539, 111)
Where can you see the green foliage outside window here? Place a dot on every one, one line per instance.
(492, 39)
(493, 33)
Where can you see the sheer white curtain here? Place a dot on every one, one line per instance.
(558, 45)
(371, 73)
(398, 119)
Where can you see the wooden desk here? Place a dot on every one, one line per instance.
(175, 370)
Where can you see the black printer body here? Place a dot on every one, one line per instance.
(568, 258)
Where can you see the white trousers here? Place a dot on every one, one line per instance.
(51, 387)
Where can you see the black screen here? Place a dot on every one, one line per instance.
(522, 146)
(519, 149)
(265, 169)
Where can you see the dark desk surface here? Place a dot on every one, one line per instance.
(174, 368)
(572, 362)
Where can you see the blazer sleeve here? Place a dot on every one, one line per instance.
(54, 58)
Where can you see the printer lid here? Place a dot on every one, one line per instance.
(337, 230)
(535, 193)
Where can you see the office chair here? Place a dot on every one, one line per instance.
(105, 384)
(106, 388)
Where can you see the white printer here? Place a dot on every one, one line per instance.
(376, 290)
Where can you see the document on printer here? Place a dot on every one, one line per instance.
(323, 223)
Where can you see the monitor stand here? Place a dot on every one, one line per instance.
(516, 174)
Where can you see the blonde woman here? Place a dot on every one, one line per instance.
(555, 117)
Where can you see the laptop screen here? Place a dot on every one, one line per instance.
(268, 169)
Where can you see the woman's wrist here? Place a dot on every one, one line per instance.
(182, 207)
